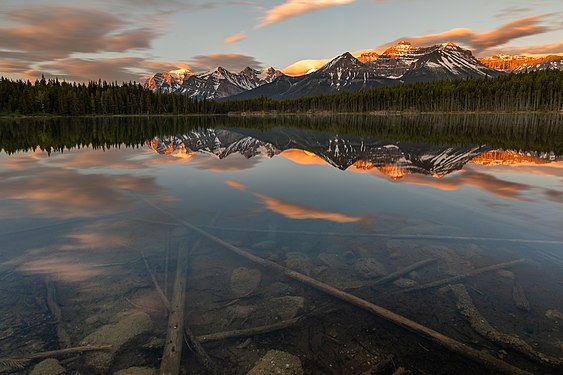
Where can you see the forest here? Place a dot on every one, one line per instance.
(523, 92)
(531, 132)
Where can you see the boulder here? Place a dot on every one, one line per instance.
(369, 268)
(128, 327)
(48, 367)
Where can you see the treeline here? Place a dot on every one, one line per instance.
(93, 98)
(533, 91)
(530, 132)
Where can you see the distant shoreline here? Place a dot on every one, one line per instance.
(273, 114)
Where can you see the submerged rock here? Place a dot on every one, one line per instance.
(369, 268)
(277, 362)
(48, 367)
(554, 314)
(117, 335)
(244, 281)
(405, 283)
(298, 262)
(506, 274)
(287, 307)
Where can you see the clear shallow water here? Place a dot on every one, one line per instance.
(346, 207)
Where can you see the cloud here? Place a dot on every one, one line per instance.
(229, 61)
(44, 40)
(304, 66)
(67, 193)
(552, 48)
(469, 177)
(480, 41)
(509, 11)
(235, 37)
(297, 211)
(76, 69)
(303, 157)
(236, 185)
(57, 31)
(294, 8)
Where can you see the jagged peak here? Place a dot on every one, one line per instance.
(250, 70)
(401, 48)
(450, 45)
(345, 57)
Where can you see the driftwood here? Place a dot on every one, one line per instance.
(172, 355)
(447, 342)
(455, 279)
(8, 364)
(188, 336)
(219, 336)
(478, 322)
(62, 335)
(403, 271)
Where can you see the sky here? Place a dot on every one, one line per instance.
(127, 40)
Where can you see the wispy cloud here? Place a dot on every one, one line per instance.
(552, 48)
(481, 41)
(236, 37)
(294, 8)
(57, 31)
(301, 212)
(46, 39)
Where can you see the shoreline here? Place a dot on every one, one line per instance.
(272, 114)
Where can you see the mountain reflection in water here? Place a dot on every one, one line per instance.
(348, 206)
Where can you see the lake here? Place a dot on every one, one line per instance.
(451, 222)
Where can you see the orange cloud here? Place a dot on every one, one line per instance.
(304, 66)
(303, 157)
(237, 185)
(294, 8)
(235, 37)
(297, 211)
(469, 177)
(67, 193)
(481, 41)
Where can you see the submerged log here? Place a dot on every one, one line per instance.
(9, 364)
(188, 336)
(172, 355)
(403, 271)
(454, 279)
(218, 336)
(447, 342)
(478, 322)
(52, 303)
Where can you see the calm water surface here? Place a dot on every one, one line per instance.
(89, 209)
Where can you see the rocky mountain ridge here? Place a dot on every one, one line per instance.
(395, 159)
(402, 63)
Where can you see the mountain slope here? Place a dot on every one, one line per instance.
(519, 64)
(216, 84)
(447, 61)
(344, 73)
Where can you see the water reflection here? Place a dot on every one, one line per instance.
(346, 208)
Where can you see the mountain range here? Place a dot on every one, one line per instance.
(402, 63)
(394, 159)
